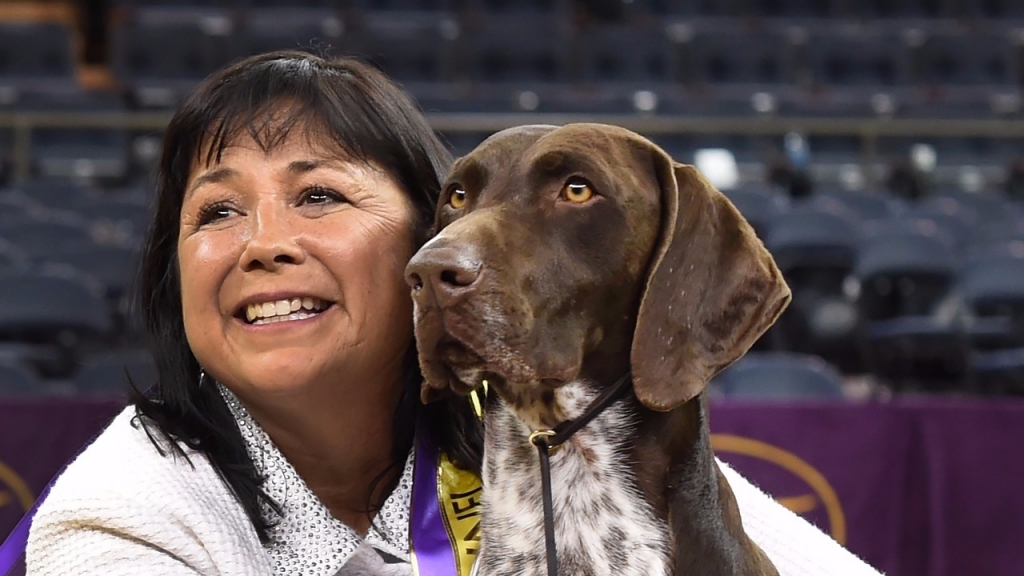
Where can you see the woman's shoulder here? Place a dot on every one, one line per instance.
(126, 459)
(793, 544)
(133, 495)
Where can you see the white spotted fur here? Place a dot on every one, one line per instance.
(513, 511)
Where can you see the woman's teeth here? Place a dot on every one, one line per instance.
(283, 310)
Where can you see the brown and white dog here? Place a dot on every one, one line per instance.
(565, 258)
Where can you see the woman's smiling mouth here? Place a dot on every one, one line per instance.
(285, 310)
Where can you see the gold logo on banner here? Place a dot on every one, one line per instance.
(821, 494)
(14, 490)
(459, 492)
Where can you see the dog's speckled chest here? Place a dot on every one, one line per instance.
(603, 526)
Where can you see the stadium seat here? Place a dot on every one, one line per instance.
(983, 58)
(867, 205)
(315, 30)
(955, 219)
(792, 9)
(17, 381)
(161, 54)
(521, 50)
(91, 153)
(780, 376)
(995, 9)
(900, 9)
(716, 57)
(49, 302)
(16, 206)
(815, 249)
(115, 267)
(408, 6)
(114, 220)
(504, 8)
(52, 315)
(998, 371)
(409, 48)
(52, 193)
(36, 51)
(993, 290)
(651, 58)
(109, 374)
(760, 206)
(909, 327)
(857, 60)
(12, 258)
(988, 206)
(48, 239)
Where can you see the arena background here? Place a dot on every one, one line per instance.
(877, 146)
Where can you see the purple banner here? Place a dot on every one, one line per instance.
(430, 543)
(917, 487)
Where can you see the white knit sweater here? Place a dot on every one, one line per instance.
(123, 509)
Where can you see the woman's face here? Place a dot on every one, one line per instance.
(291, 266)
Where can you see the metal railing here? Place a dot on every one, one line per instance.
(867, 129)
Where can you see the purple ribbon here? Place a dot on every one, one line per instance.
(13, 548)
(434, 552)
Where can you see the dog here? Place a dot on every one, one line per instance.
(564, 258)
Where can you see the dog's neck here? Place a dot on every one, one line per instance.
(602, 523)
(635, 491)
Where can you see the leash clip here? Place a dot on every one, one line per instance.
(539, 438)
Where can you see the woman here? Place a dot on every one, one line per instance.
(292, 192)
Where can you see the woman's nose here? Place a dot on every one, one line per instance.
(273, 242)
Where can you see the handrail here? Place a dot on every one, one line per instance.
(643, 123)
(868, 129)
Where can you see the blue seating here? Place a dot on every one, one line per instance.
(993, 290)
(17, 381)
(982, 59)
(36, 51)
(49, 239)
(114, 373)
(503, 8)
(867, 205)
(651, 58)
(313, 30)
(816, 249)
(906, 271)
(720, 57)
(161, 54)
(858, 60)
(781, 376)
(409, 48)
(49, 302)
(759, 206)
(520, 50)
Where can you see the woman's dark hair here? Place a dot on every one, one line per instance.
(340, 102)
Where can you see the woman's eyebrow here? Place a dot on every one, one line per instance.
(304, 166)
(213, 176)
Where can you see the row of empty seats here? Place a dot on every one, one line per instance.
(921, 294)
(984, 9)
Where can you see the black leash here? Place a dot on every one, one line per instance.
(548, 440)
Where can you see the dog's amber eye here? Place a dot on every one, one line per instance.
(457, 198)
(577, 191)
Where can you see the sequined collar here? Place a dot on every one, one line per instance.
(307, 539)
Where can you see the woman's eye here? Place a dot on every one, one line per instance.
(214, 213)
(318, 195)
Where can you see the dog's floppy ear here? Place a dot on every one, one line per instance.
(712, 289)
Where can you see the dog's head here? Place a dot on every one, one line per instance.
(582, 252)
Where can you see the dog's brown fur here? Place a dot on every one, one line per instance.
(657, 274)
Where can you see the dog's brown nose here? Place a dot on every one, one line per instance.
(446, 272)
